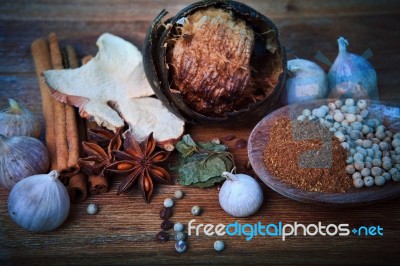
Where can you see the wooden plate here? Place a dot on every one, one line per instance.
(389, 114)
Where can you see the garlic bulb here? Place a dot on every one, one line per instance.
(39, 203)
(18, 121)
(240, 195)
(351, 76)
(306, 81)
(20, 157)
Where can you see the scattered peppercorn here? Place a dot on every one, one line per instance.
(165, 213)
(180, 246)
(196, 210)
(162, 236)
(92, 209)
(178, 194)
(241, 144)
(178, 227)
(168, 203)
(219, 245)
(166, 225)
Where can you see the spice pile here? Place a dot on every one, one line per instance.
(284, 152)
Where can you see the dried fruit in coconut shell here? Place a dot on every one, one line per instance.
(216, 61)
(112, 88)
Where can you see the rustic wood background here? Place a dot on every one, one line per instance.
(123, 232)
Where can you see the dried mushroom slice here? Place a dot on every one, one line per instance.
(147, 114)
(109, 85)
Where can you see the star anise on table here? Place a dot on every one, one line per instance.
(99, 153)
(138, 163)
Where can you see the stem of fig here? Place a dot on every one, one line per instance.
(54, 174)
(15, 108)
(229, 176)
(343, 43)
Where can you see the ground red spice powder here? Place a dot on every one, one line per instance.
(287, 156)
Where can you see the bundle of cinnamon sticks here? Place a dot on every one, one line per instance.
(65, 130)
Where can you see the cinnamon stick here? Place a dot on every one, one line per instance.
(59, 110)
(41, 56)
(97, 184)
(77, 187)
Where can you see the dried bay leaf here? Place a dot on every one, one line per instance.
(202, 164)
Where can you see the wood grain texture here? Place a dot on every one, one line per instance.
(124, 229)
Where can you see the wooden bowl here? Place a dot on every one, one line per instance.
(389, 114)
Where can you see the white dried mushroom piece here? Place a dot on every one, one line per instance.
(112, 88)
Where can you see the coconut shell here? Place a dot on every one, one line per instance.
(155, 59)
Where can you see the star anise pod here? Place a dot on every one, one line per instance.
(98, 158)
(137, 163)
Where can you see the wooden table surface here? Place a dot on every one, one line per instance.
(123, 232)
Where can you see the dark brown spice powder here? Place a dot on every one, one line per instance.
(297, 157)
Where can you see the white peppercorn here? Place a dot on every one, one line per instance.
(355, 134)
(178, 194)
(365, 172)
(358, 183)
(180, 246)
(387, 165)
(168, 203)
(92, 209)
(356, 175)
(306, 112)
(396, 142)
(369, 181)
(219, 245)
(396, 136)
(387, 176)
(301, 118)
(178, 227)
(359, 165)
(196, 210)
(376, 171)
(367, 143)
(358, 157)
(351, 109)
(345, 145)
(368, 165)
(320, 112)
(389, 133)
(362, 104)
(370, 152)
(338, 103)
(336, 125)
(343, 109)
(397, 150)
(339, 117)
(349, 102)
(345, 123)
(364, 113)
(359, 118)
(350, 118)
(379, 180)
(380, 135)
(384, 146)
(332, 106)
(340, 136)
(350, 169)
(179, 236)
(380, 128)
(376, 162)
(365, 129)
(349, 160)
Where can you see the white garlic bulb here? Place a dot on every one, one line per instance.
(39, 203)
(240, 195)
(306, 81)
(20, 157)
(19, 121)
